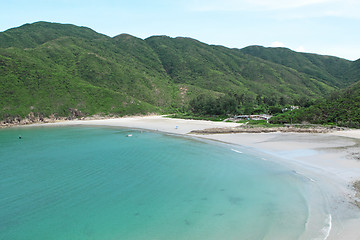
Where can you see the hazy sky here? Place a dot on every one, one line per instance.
(329, 27)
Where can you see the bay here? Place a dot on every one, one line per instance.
(99, 183)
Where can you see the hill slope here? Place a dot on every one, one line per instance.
(222, 69)
(51, 69)
(74, 71)
(33, 35)
(327, 69)
(341, 108)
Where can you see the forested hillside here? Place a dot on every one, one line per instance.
(337, 71)
(341, 108)
(51, 69)
(221, 69)
(77, 69)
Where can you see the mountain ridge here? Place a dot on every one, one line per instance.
(156, 74)
(323, 67)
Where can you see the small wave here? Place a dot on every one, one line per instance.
(236, 151)
(304, 176)
(312, 180)
(326, 230)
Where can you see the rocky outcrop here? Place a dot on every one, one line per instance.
(32, 118)
(75, 114)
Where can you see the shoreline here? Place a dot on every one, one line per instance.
(200, 129)
(332, 157)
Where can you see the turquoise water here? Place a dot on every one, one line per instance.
(97, 183)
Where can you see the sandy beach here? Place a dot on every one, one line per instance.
(331, 159)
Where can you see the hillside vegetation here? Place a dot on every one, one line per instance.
(342, 108)
(337, 71)
(51, 69)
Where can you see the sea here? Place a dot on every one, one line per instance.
(107, 183)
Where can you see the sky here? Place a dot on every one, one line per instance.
(327, 27)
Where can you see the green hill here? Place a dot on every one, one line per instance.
(354, 72)
(94, 74)
(327, 69)
(33, 82)
(33, 35)
(341, 108)
(252, 81)
(58, 69)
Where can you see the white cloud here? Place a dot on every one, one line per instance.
(277, 44)
(300, 49)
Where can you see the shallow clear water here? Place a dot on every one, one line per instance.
(97, 183)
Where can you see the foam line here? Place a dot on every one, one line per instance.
(236, 151)
(308, 178)
(326, 230)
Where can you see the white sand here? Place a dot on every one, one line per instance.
(326, 157)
